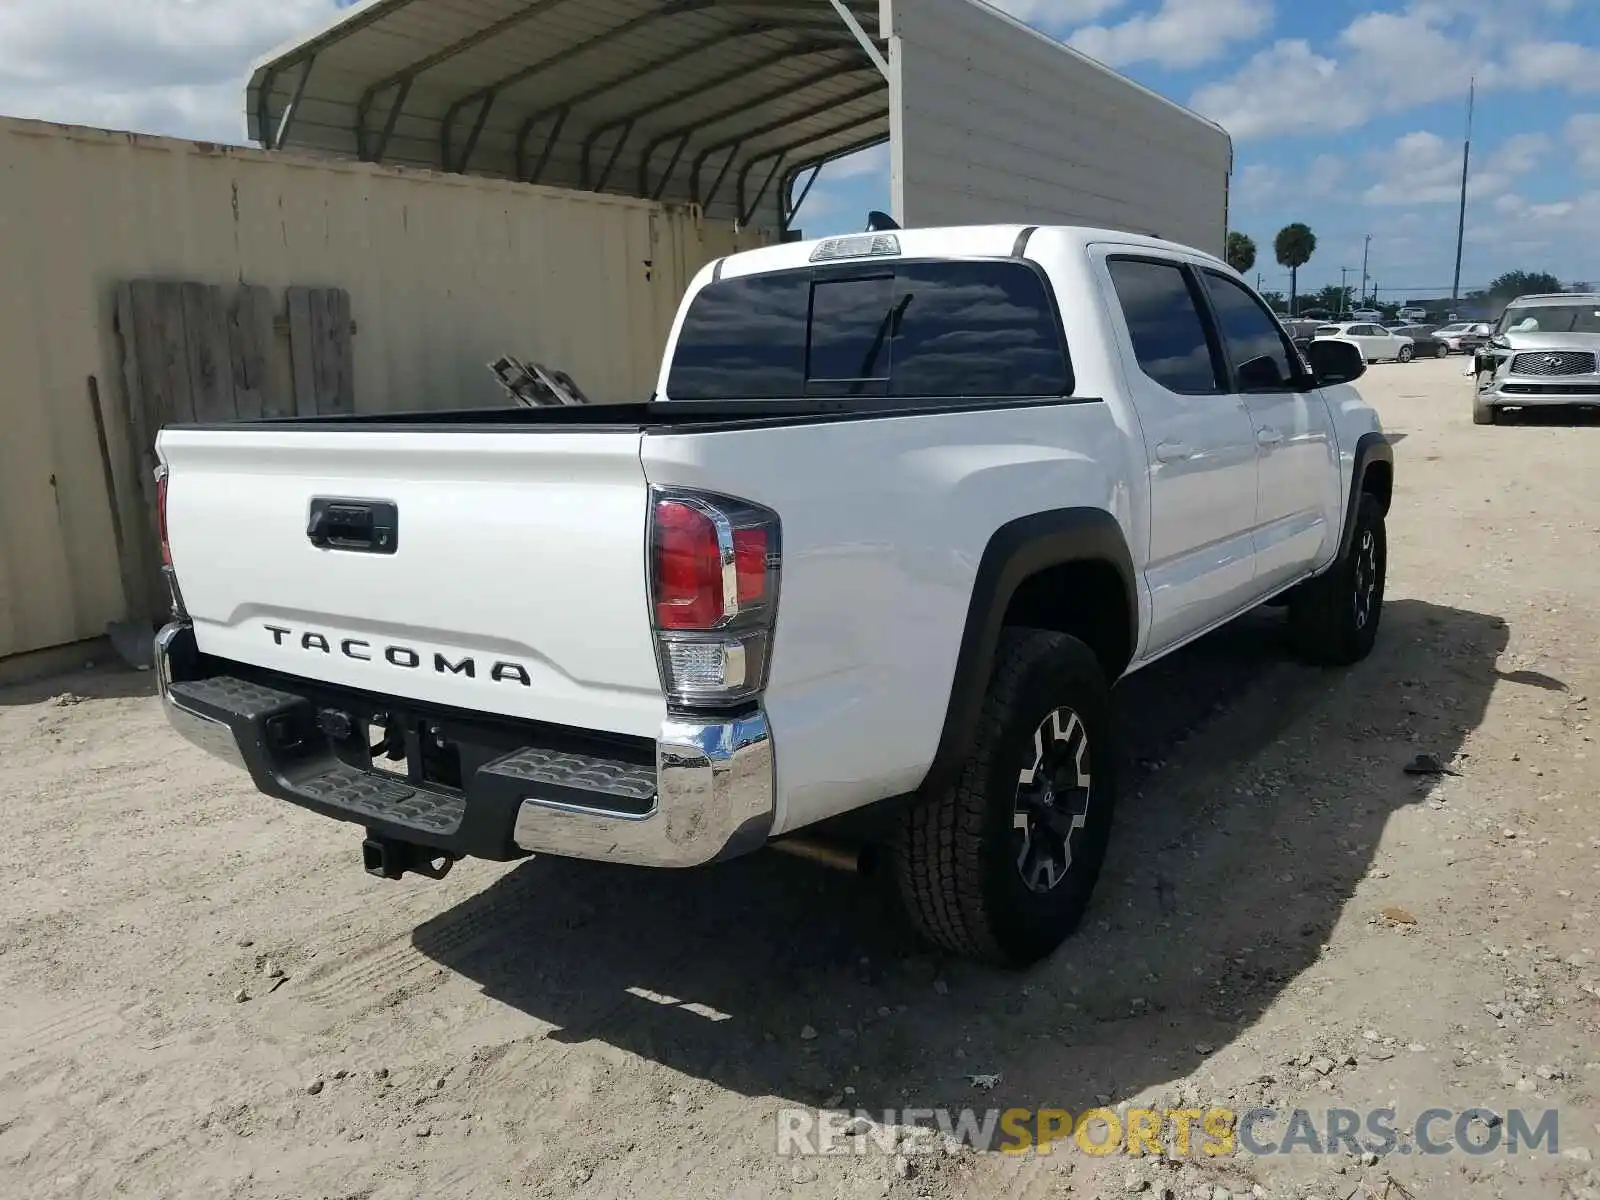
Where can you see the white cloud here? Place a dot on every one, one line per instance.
(1582, 134)
(1055, 13)
(1262, 185)
(1180, 33)
(1424, 168)
(159, 66)
(865, 162)
(1385, 62)
(1552, 235)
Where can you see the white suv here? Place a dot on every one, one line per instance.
(1374, 341)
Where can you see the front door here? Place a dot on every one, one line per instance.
(1297, 508)
(1200, 448)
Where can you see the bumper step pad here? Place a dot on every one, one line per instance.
(380, 799)
(290, 757)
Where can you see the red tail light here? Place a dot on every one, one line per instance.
(688, 567)
(161, 516)
(714, 564)
(750, 564)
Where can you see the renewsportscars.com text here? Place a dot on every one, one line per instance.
(1176, 1132)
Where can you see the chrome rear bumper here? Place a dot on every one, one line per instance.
(713, 797)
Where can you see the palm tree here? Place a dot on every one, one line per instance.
(1241, 252)
(1294, 245)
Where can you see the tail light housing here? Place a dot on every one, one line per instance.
(167, 571)
(161, 515)
(715, 563)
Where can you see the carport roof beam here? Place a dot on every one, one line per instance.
(763, 130)
(672, 9)
(804, 50)
(563, 109)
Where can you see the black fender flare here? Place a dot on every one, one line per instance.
(1370, 448)
(1015, 551)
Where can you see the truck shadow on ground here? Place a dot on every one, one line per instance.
(1255, 798)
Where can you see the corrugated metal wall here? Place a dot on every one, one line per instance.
(445, 272)
(994, 122)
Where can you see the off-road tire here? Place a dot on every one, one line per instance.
(957, 856)
(1328, 622)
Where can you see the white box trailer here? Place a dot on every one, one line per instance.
(733, 105)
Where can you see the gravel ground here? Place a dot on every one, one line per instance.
(202, 995)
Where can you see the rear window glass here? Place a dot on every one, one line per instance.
(1327, 330)
(909, 329)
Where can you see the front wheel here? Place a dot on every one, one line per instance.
(999, 866)
(1483, 413)
(1442, 351)
(1333, 619)
(1406, 354)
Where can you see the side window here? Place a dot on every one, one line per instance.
(1164, 322)
(1260, 358)
(976, 329)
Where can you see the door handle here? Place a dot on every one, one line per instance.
(1173, 451)
(1268, 437)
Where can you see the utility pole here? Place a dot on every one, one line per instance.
(1461, 218)
(1366, 249)
(1344, 292)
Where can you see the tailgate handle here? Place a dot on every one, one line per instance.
(363, 526)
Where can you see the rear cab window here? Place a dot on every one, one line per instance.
(906, 329)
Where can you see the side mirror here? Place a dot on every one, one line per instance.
(1335, 362)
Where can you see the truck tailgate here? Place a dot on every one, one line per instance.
(514, 582)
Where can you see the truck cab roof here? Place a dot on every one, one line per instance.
(955, 241)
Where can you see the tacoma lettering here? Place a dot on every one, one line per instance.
(406, 658)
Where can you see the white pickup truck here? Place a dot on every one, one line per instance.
(904, 506)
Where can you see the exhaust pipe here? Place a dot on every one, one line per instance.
(388, 858)
(841, 856)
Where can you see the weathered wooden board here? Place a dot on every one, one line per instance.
(320, 349)
(205, 325)
(250, 335)
(302, 350)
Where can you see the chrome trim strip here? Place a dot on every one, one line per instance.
(210, 735)
(715, 795)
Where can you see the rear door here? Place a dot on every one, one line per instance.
(1199, 443)
(498, 571)
(1297, 501)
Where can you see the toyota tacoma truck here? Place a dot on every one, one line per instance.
(903, 507)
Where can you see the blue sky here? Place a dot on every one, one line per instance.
(1346, 114)
(1349, 116)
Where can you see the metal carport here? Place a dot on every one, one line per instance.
(717, 102)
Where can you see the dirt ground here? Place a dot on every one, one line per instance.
(201, 994)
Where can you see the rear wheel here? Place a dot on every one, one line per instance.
(1333, 620)
(1441, 351)
(1000, 865)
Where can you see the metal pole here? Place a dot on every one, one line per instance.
(1343, 288)
(1461, 217)
(1365, 250)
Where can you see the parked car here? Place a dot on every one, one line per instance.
(747, 612)
(1424, 343)
(1301, 332)
(1545, 350)
(1462, 336)
(1374, 341)
(1366, 314)
(1412, 314)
